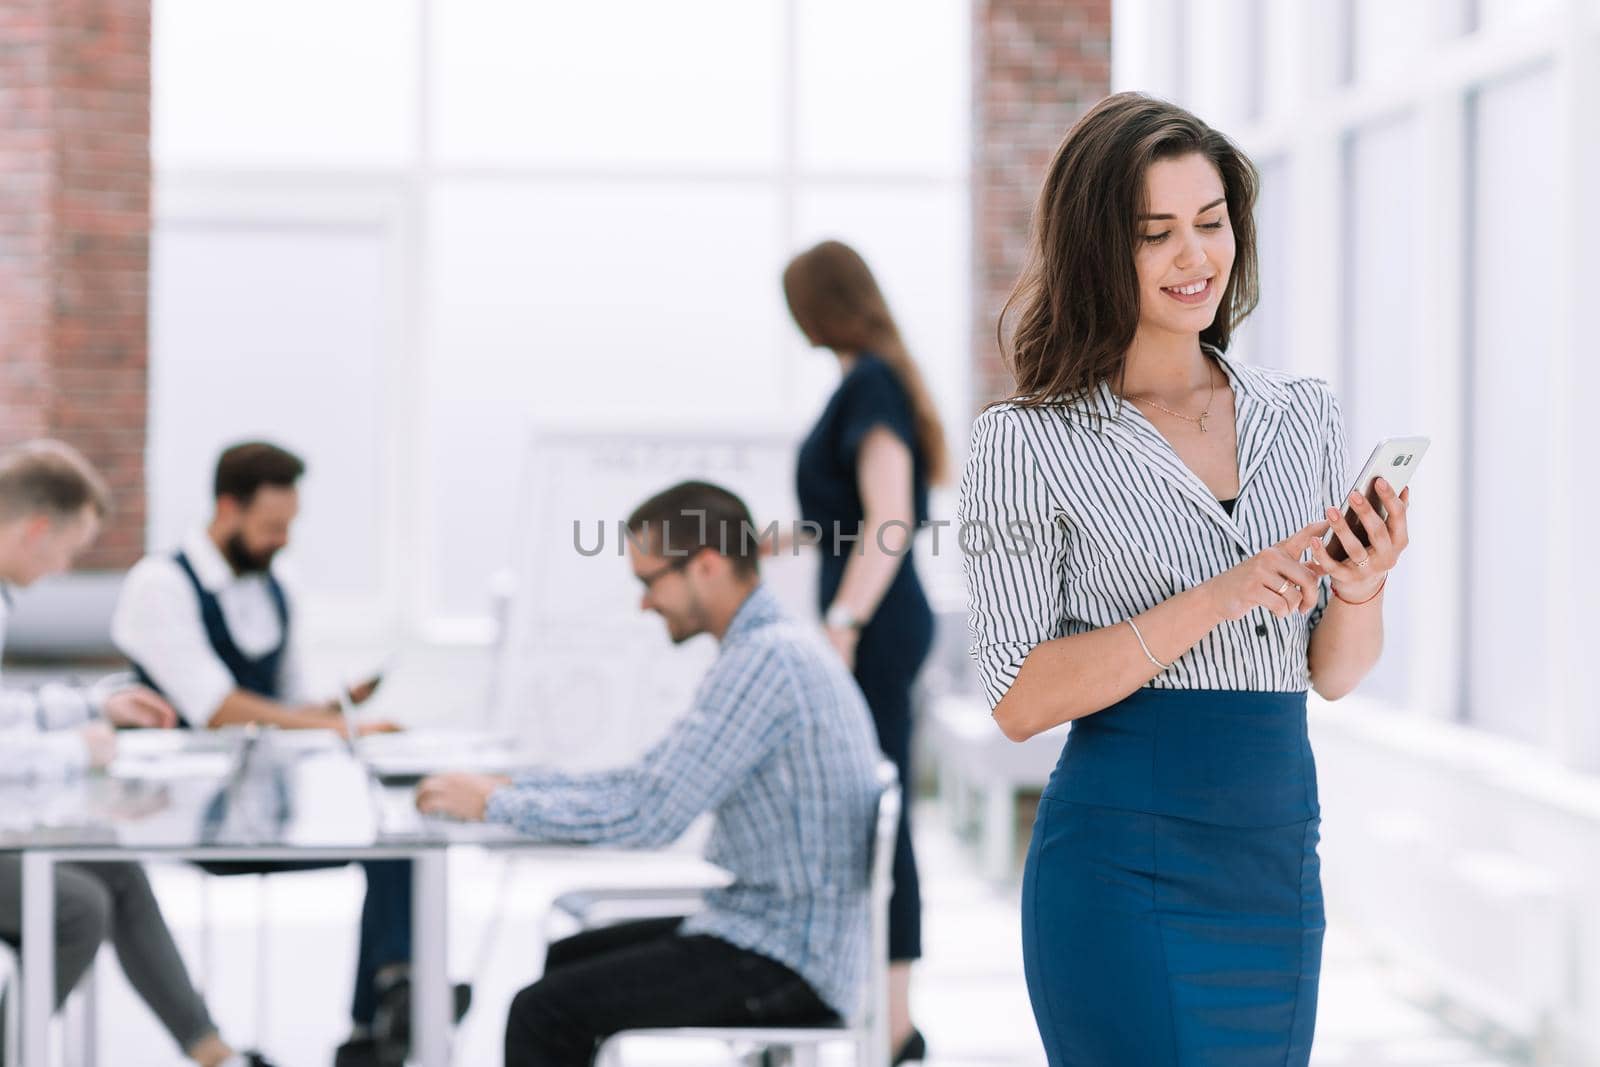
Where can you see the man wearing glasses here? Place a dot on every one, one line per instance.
(778, 745)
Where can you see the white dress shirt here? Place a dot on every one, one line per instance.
(1116, 524)
(157, 625)
(39, 728)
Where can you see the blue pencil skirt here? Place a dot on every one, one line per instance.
(1172, 903)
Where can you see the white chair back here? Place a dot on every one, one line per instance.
(11, 989)
(869, 1032)
(875, 1014)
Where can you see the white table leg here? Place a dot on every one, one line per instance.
(90, 990)
(431, 1014)
(38, 954)
(263, 990)
(80, 1038)
(960, 805)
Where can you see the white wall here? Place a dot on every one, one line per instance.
(394, 234)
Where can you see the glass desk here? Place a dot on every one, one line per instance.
(234, 794)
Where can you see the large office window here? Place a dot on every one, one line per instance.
(1512, 334)
(622, 84)
(1380, 361)
(297, 324)
(1386, 38)
(601, 299)
(242, 84)
(581, 212)
(1266, 338)
(1496, 14)
(1223, 92)
(1584, 489)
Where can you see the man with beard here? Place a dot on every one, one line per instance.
(209, 625)
(212, 628)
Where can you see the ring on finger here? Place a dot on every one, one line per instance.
(1283, 587)
(1363, 561)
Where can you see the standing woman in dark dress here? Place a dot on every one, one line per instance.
(1172, 904)
(864, 470)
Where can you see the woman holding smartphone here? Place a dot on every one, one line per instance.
(1137, 519)
(862, 477)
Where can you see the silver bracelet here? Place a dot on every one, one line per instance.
(1147, 653)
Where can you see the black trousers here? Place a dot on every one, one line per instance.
(645, 974)
(891, 652)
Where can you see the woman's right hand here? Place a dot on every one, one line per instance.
(1274, 579)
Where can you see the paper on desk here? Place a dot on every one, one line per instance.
(425, 751)
(172, 765)
(148, 743)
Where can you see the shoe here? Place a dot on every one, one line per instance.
(357, 1052)
(391, 1023)
(915, 1049)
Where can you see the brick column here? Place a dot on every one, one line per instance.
(1037, 66)
(75, 240)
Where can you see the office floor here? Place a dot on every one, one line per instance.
(970, 996)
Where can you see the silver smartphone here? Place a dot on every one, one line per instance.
(1395, 460)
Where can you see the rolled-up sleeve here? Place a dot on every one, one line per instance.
(1334, 487)
(1013, 552)
(157, 625)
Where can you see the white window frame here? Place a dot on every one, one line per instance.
(1309, 131)
(241, 196)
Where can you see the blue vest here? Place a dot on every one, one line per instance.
(260, 675)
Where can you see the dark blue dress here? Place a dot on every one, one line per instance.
(1176, 846)
(896, 640)
(1172, 903)
(1135, 893)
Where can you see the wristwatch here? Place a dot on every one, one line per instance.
(840, 617)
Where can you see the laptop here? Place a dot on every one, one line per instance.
(407, 757)
(394, 811)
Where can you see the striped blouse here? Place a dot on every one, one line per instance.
(1080, 515)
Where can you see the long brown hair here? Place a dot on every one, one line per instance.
(836, 302)
(1074, 310)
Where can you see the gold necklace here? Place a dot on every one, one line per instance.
(1199, 419)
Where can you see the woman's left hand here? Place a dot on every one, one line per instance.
(1358, 576)
(844, 640)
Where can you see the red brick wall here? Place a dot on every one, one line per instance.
(1037, 66)
(75, 240)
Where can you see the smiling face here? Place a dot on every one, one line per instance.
(1185, 245)
(670, 587)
